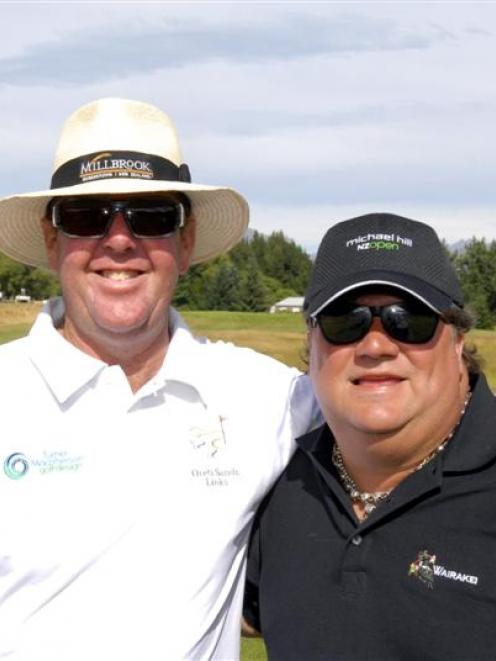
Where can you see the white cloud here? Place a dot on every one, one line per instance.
(309, 109)
(101, 52)
(307, 225)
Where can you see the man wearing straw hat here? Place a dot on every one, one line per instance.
(133, 454)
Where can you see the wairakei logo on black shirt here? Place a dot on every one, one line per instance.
(423, 568)
(426, 570)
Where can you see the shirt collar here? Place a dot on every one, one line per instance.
(66, 369)
(473, 444)
(318, 443)
(471, 447)
(186, 360)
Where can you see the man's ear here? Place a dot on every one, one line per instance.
(459, 346)
(187, 243)
(50, 236)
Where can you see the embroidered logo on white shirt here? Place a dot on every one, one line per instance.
(208, 440)
(18, 464)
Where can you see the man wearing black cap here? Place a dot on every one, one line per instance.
(378, 542)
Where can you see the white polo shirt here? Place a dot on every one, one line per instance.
(125, 517)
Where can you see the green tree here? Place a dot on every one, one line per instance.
(253, 293)
(14, 276)
(225, 287)
(193, 289)
(258, 272)
(476, 268)
(42, 284)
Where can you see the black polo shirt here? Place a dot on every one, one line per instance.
(415, 581)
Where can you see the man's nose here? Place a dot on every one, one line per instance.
(377, 343)
(119, 236)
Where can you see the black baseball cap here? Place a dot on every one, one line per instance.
(382, 249)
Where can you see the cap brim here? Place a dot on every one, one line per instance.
(221, 216)
(423, 291)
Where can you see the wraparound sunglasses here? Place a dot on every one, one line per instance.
(411, 322)
(90, 218)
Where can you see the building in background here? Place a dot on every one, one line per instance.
(290, 304)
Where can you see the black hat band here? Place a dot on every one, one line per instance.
(118, 165)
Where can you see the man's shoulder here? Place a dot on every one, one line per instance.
(230, 356)
(14, 350)
(300, 471)
(296, 491)
(15, 365)
(222, 357)
(246, 379)
(245, 373)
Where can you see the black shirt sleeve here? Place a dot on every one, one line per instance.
(251, 611)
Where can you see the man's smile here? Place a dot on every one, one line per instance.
(377, 380)
(119, 275)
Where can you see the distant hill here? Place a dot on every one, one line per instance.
(458, 246)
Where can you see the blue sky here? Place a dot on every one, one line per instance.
(316, 112)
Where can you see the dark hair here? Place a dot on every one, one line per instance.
(463, 322)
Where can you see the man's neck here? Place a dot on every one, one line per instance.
(139, 355)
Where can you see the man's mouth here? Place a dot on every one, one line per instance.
(386, 379)
(119, 275)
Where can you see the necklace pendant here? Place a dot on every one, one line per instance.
(369, 507)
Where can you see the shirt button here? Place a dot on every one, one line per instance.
(357, 540)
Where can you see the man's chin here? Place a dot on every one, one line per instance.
(122, 317)
(381, 425)
(121, 328)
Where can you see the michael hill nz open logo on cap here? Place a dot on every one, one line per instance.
(379, 242)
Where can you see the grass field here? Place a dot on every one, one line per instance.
(280, 335)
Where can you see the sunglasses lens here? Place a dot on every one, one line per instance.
(341, 326)
(81, 218)
(346, 322)
(152, 219)
(413, 324)
(91, 218)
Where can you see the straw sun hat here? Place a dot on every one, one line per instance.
(117, 146)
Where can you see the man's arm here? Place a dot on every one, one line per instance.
(250, 624)
(248, 631)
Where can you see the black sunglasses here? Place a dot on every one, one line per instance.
(406, 321)
(90, 218)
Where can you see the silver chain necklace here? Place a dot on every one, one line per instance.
(370, 499)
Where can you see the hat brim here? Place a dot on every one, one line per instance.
(423, 291)
(221, 216)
